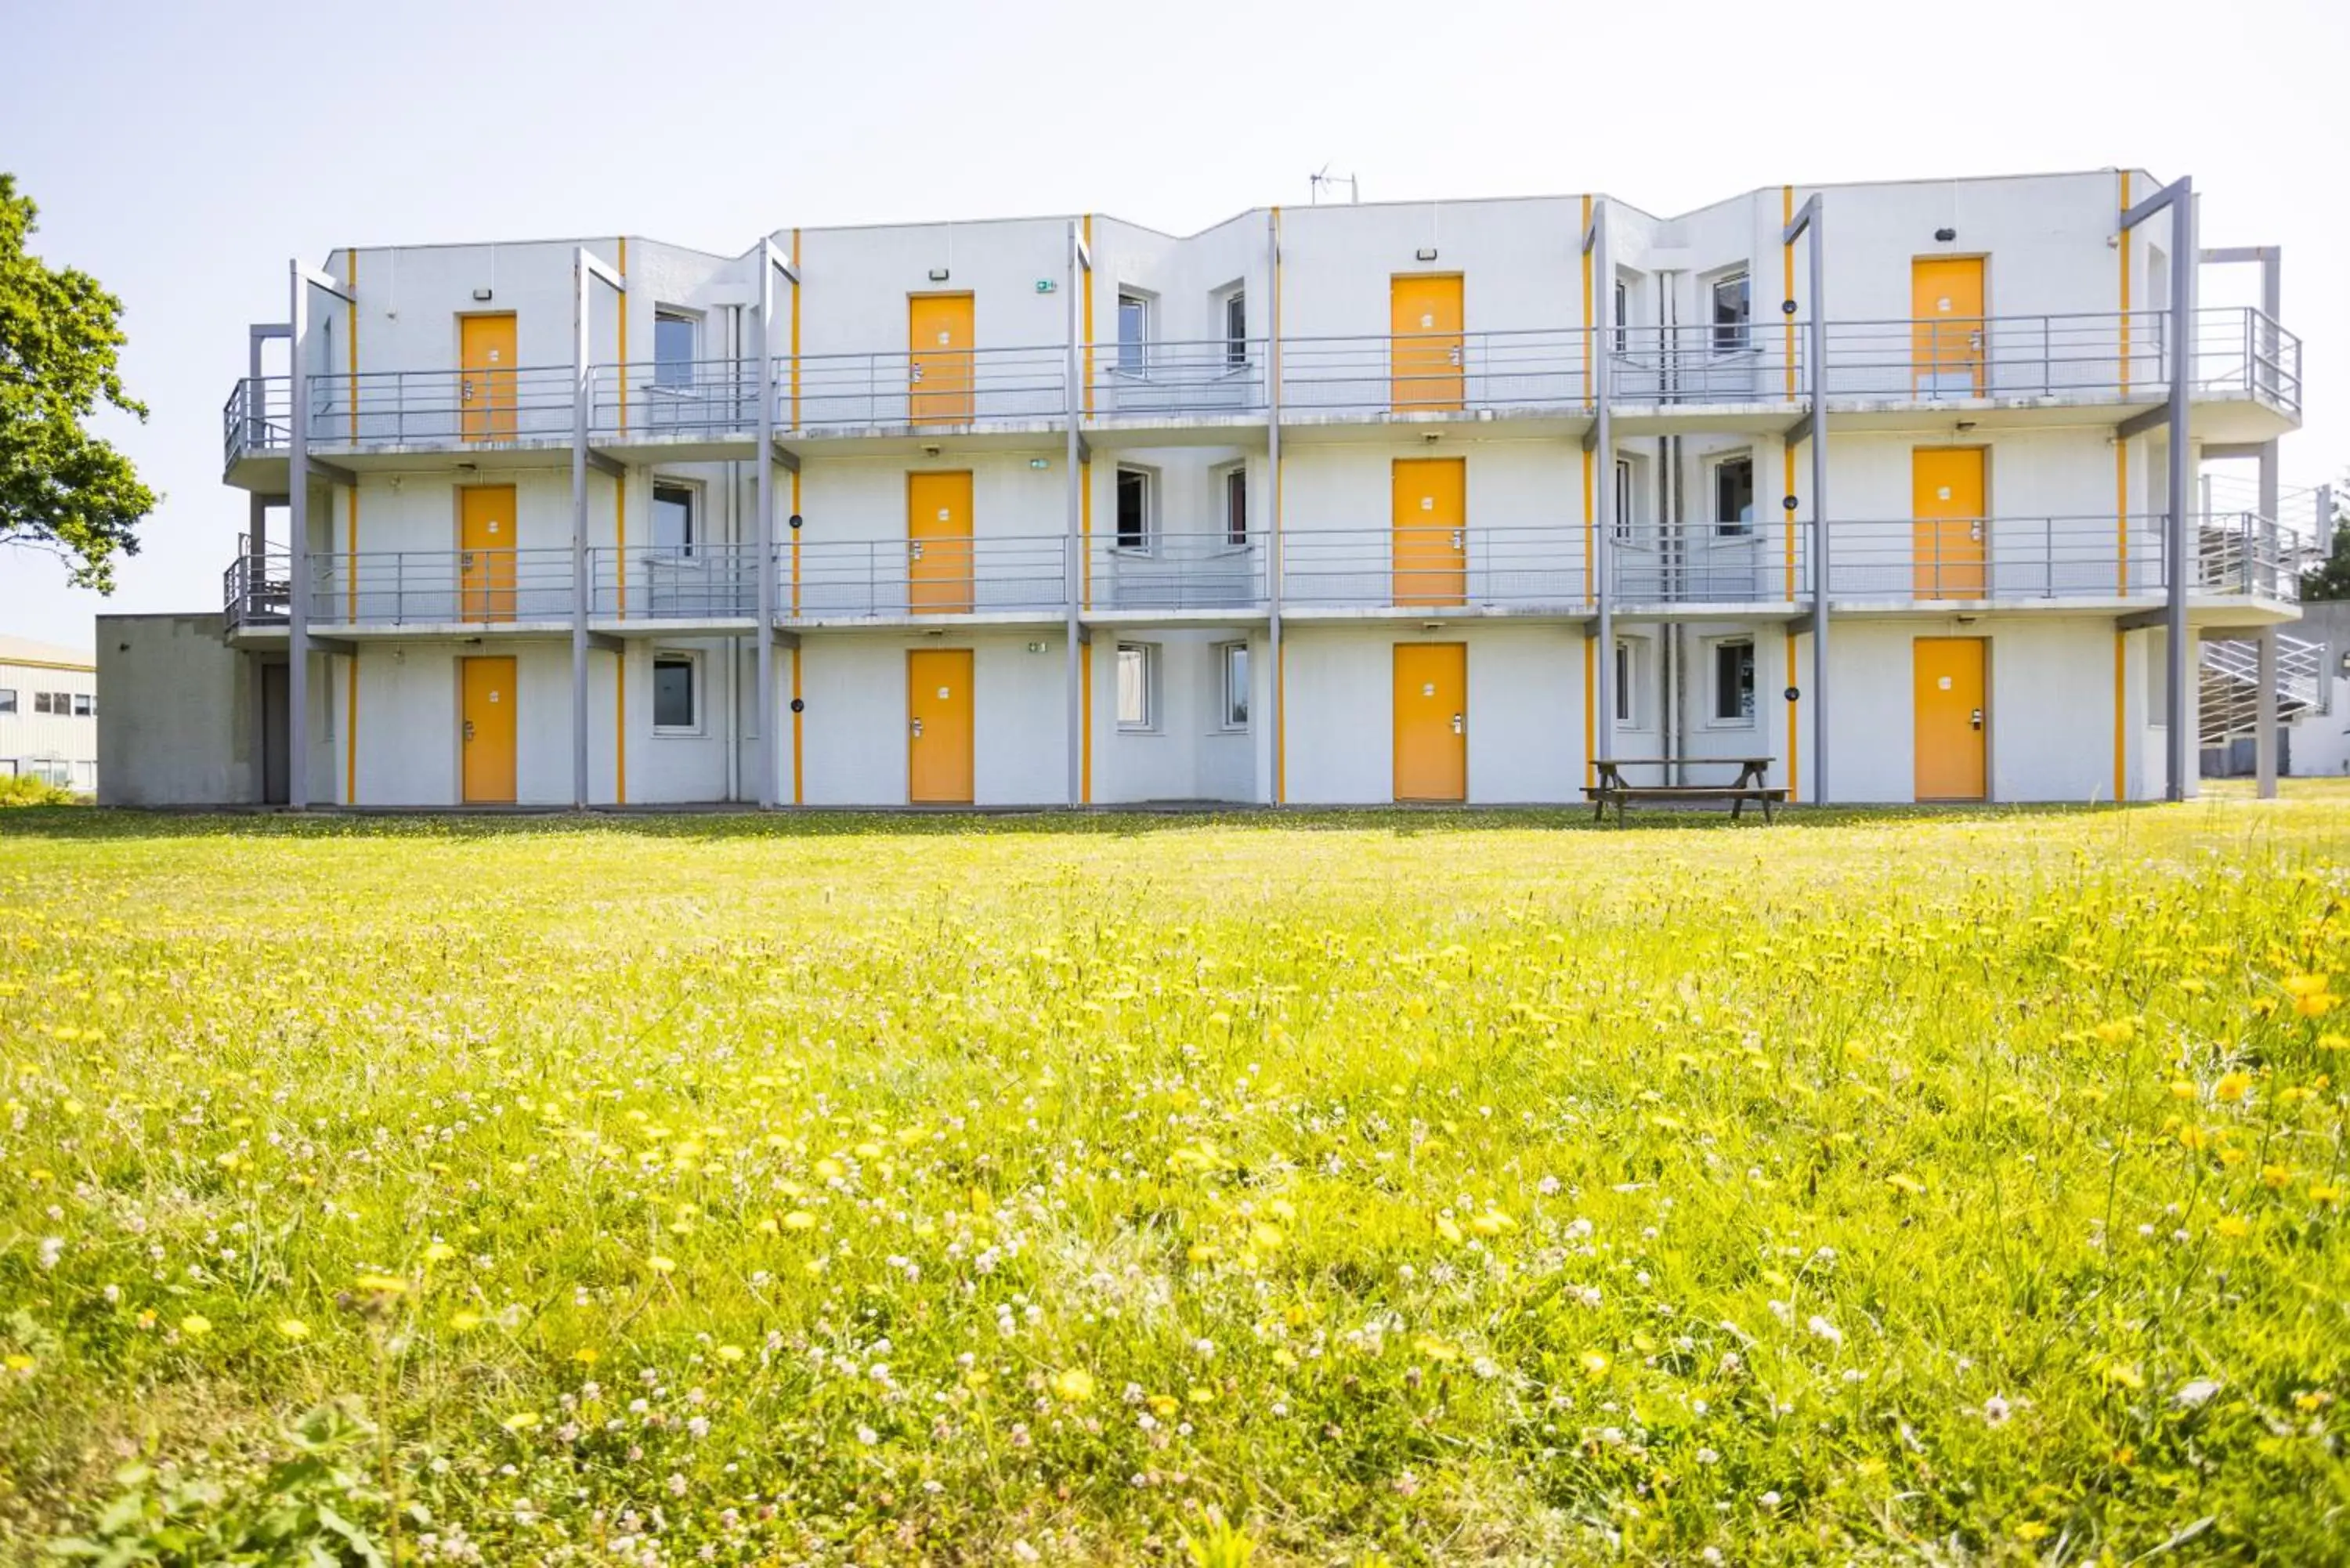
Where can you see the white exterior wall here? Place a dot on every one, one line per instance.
(52, 743)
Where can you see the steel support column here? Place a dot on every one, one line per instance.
(2179, 198)
(1079, 262)
(1277, 786)
(1602, 565)
(301, 280)
(771, 262)
(1808, 221)
(584, 270)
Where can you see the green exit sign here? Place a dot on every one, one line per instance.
(1046, 285)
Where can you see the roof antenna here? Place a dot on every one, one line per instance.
(1323, 177)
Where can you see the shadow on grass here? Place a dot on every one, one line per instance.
(85, 823)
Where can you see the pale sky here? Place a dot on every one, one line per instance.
(183, 153)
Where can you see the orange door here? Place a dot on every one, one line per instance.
(1431, 720)
(939, 726)
(1947, 326)
(1949, 536)
(485, 552)
(1952, 756)
(487, 711)
(939, 341)
(1430, 550)
(938, 543)
(1424, 317)
(485, 389)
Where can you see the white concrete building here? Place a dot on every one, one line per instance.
(1437, 501)
(49, 713)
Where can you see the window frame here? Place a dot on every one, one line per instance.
(695, 494)
(1627, 521)
(692, 323)
(45, 702)
(694, 690)
(1730, 337)
(1147, 654)
(1231, 299)
(1232, 486)
(1149, 480)
(1717, 694)
(85, 705)
(1627, 683)
(1134, 359)
(1623, 315)
(7, 699)
(1226, 690)
(1715, 466)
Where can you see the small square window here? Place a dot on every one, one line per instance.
(676, 693)
(1733, 682)
(1133, 331)
(1138, 685)
(1232, 664)
(84, 705)
(1732, 300)
(1134, 499)
(1236, 506)
(44, 702)
(1733, 496)
(7, 700)
(673, 518)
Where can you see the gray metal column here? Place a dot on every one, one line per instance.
(2180, 755)
(2264, 713)
(1272, 549)
(1073, 566)
(1603, 442)
(763, 534)
(579, 529)
(297, 542)
(1817, 272)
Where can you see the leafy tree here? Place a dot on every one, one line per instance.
(2330, 578)
(61, 489)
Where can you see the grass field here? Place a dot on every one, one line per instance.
(1387, 1188)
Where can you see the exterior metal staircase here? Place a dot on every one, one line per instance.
(2228, 686)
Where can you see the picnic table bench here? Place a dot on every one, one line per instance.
(1611, 789)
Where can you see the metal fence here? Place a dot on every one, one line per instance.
(652, 399)
(1708, 564)
(1175, 572)
(428, 588)
(256, 584)
(697, 582)
(258, 418)
(1705, 363)
(933, 388)
(1154, 380)
(937, 575)
(1434, 372)
(1530, 568)
(432, 408)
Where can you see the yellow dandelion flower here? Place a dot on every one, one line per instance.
(1446, 1228)
(1492, 1223)
(1164, 1405)
(1595, 1363)
(2275, 1177)
(799, 1219)
(18, 1363)
(520, 1421)
(1266, 1238)
(293, 1328)
(1435, 1349)
(660, 1265)
(195, 1326)
(2232, 1085)
(2183, 1089)
(1908, 1186)
(2233, 1226)
(1074, 1384)
(2128, 1377)
(730, 1353)
(383, 1284)
(465, 1322)
(439, 1252)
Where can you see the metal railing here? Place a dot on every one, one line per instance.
(1705, 363)
(2228, 686)
(1530, 568)
(852, 578)
(2240, 350)
(1154, 380)
(1996, 558)
(434, 408)
(697, 582)
(257, 418)
(1434, 372)
(256, 584)
(652, 400)
(936, 387)
(2245, 553)
(2092, 354)
(1176, 571)
(430, 588)
(1706, 563)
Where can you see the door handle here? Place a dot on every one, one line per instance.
(917, 550)
(1458, 728)
(1456, 538)
(1978, 718)
(917, 729)
(917, 370)
(1974, 529)
(469, 730)
(1454, 356)
(465, 390)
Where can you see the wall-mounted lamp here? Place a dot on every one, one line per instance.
(929, 448)
(1431, 625)
(795, 520)
(1040, 462)
(1946, 235)
(481, 294)
(1036, 648)
(937, 274)
(1430, 437)
(1425, 253)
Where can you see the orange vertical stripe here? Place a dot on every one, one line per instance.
(351, 350)
(1086, 725)
(352, 732)
(1588, 345)
(1086, 531)
(1787, 451)
(1281, 705)
(799, 270)
(1590, 580)
(2121, 730)
(799, 727)
(622, 349)
(620, 540)
(794, 533)
(620, 726)
(1085, 289)
(1787, 281)
(1795, 712)
(799, 756)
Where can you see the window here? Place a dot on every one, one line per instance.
(673, 516)
(677, 708)
(1733, 682)
(674, 349)
(1627, 682)
(85, 706)
(1236, 506)
(1733, 496)
(1232, 670)
(1624, 495)
(1134, 500)
(7, 701)
(1731, 300)
(1133, 330)
(1236, 328)
(1138, 685)
(45, 702)
(1623, 317)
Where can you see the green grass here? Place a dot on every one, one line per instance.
(1418, 1186)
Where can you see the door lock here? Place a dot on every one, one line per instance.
(917, 729)
(917, 370)
(1978, 718)
(469, 728)
(1459, 727)
(466, 391)
(917, 550)
(1456, 538)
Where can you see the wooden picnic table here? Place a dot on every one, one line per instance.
(1611, 788)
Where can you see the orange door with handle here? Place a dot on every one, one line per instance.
(485, 552)
(1428, 553)
(1947, 326)
(938, 544)
(1950, 534)
(940, 337)
(1953, 730)
(486, 379)
(486, 713)
(1431, 720)
(1424, 320)
(939, 726)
